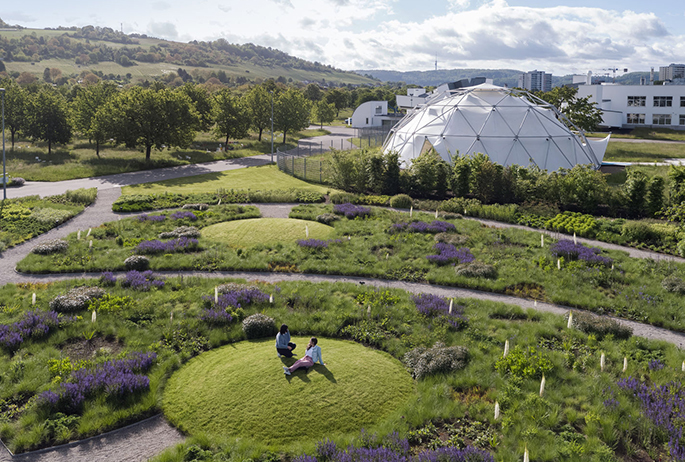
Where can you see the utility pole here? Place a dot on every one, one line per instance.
(272, 125)
(4, 172)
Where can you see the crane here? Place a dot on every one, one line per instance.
(614, 69)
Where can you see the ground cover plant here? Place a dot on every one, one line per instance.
(27, 217)
(453, 252)
(86, 374)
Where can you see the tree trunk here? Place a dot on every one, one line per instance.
(13, 132)
(148, 151)
(97, 148)
(260, 134)
(226, 143)
(284, 131)
(49, 146)
(321, 125)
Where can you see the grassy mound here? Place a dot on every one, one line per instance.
(246, 233)
(240, 390)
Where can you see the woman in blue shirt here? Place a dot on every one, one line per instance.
(283, 345)
(311, 356)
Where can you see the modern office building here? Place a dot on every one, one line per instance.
(672, 72)
(535, 81)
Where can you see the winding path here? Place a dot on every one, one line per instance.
(145, 439)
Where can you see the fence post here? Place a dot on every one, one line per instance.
(293, 164)
(305, 169)
(320, 171)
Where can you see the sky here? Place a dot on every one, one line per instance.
(403, 35)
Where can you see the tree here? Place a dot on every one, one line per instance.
(339, 98)
(87, 102)
(323, 112)
(584, 114)
(202, 102)
(15, 107)
(47, 117)
(291, 112)
(258, 104)
(231, 116)
(312, 92)
(150, 117)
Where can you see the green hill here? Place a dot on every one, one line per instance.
(73, 50)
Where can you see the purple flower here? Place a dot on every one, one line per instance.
(182, 244)
(448, 253)
(107, 278)
(32, 324)
(433, 306)
(570, 251)
(142, 281)
(216, 316)
(312, 244)
(239, 298)
(181, 215)
(656, 365)
(435, 227)
(351, 211)
(154, 218)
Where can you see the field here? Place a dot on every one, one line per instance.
(618, 151)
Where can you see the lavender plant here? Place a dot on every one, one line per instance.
(567, 249)
(154, 218)
(182, 244)
(351, 211)
(141, 281)
(184, 215)
(433, 306)
(33, 324)
(447, 253)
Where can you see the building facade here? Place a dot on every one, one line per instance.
(672, 72)
(535, 81)
(632, 106)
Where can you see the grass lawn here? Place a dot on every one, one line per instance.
(247, 233)
(78, 160)
(645, 134)
(643, 152)
(264, 178)
(240, 390)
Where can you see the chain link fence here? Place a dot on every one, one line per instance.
(307, 161)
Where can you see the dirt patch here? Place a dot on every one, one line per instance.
(87, 349)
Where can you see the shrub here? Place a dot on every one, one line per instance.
(111, 303)
(639, 231)
(401, 201)
(451, 238)
(327, 218)
(154, 218)
(32, 324)
(343, 197)
(82, 196)
(476, 269)
(681, 248)
(48, 247)
(433, 306)
(447, 253)
(137, 262)
(182, 244)
(522, 363)
(51, 216)
(436, 226)
(313, 244)
(259, 325)
(16, 181)
(573, 222)
(351, 211)
(459, 205)
(183, 215)
(142, 281)
(196, 206)
(216, 316)
(673, 284)
(234, 287)
(76, 299)
(107, 279)
(600, 326)
(181, 231)
(424, 361)
(567, 249)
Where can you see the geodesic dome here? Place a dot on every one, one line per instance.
(510, 126)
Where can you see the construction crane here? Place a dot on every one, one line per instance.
(614, 69)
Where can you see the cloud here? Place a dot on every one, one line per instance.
(12, 16)
(165, 30)
(307, 22)
(224, 8)
(341, 2)
(160, 6)
(286, 3)
(457, 5)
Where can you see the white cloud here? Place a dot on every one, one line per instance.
(457, 5)
(164, 30)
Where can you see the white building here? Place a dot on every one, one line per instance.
(373, 114)
(631, 106)
(535, 81)
(672, 72)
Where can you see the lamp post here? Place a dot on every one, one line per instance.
(272, 125)
(4, 173)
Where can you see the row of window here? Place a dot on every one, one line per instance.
(659, 101)
(657, 119)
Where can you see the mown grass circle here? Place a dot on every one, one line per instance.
(246, 233)
(240, 390)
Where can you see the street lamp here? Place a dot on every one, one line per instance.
(272, 125)
(4, 173)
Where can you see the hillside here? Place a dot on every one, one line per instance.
(72, 50)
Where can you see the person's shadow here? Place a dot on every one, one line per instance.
(325, 372)
(302, 372)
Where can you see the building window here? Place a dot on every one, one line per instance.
(379, 109)
(663, 101)
(367, 121)
(637, 101)
(661, 119)
(636, 119)
(682, 119)
(682, 101)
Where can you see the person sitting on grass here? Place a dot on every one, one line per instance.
(283, 345)
(311, 356)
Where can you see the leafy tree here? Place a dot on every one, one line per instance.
(313, 92)
(202, 102)
(291, 112)
(431, 173)
(581, 186)
(47, 117)
(87, 102)
(392, 173)
(46, 75)
(2, 67)
(461, 176)
(150, 117)
(584, 114)
(231, 116)
(655, 195)
(339, 98)
(323, 112)
(15, 107)
(636, 190)
(676, 176)
(258, 104)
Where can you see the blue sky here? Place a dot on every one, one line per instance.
(562, 38)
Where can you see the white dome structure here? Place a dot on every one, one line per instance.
(510, 126)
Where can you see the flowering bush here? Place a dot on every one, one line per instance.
(433, 306)
(50, 215)
(241, 298)
(476, 269)
(183, 215)
(32, 324)
(182, 244)
(673, 284)
(600, 326)
(107, 279)
(440, 359)
(570, 251)
(327, 218)
(351, 211)
(76, 299)
(258, 326)
(115, 378)
(141, 281)
(216, 316)
(665, 406)
(448, 253)
(137, 262)
(53, 246)
(435, 227)
(153, 218)
(16, 181)
(181, 231)
(312, 244)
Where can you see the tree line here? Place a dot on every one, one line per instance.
(155, 116)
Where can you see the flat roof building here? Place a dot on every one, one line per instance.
(535, 81)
